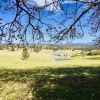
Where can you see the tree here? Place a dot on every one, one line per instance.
(33, 15)
(37, 49)
(25, 53)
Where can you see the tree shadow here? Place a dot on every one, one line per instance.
(81, 83)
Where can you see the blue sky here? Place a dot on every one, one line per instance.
(58, 16)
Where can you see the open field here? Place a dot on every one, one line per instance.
(45, 58)
(42, 78)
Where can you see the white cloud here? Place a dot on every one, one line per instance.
(51, 7)
(42, 3)
(39, 2)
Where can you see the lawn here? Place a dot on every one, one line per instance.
(42, 78)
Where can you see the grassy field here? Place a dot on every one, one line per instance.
(45, 58)
(42, 78)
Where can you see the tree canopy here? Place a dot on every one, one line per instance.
(37, 20)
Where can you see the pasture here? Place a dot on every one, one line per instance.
(42, 78)
(45, 58)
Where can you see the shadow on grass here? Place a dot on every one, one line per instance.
(81, 83)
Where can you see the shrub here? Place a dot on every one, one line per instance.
(1, 48)
(12, 49)
(37, 49)
(74, 55)
(89, 54)
(94, 52)
(25, 53)
(83, 53)
(55, 49)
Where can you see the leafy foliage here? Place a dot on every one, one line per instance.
(26, 12)
(94, 52)
(25, 53)
(12, 49)
(37, 49)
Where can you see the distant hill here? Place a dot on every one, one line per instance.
(49, 44)
(73, 44)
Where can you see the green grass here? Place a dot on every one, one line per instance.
(41, 78)
(94, 58)
(45, 58)
(50, 84)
